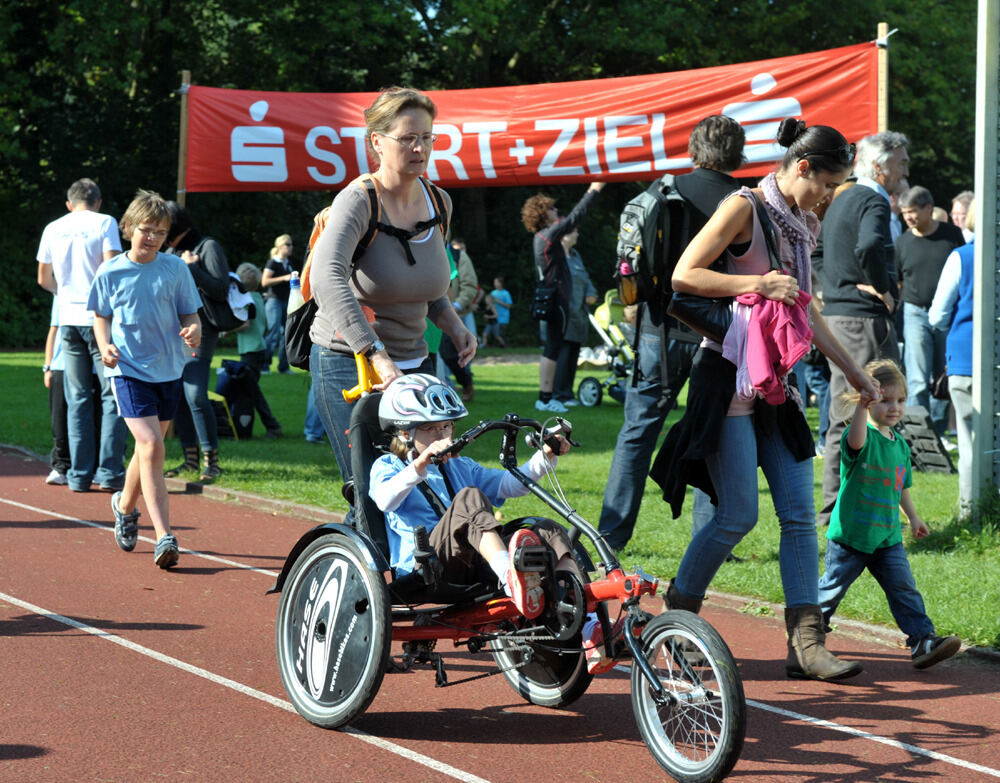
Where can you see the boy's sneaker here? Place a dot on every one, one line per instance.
(57, 478)
(593, 645)
(525, 586)
(933, 649)
(552, 406)
(126, 525)
(166, 554)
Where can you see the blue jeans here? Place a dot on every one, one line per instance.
(924, 357)
(733, 469)
(195, 420)
(891, 570)
(817, 378)
(314, 425)
(106, 464)
(274, 338)
(634, 447)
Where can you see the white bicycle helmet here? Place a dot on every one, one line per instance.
(418, 399)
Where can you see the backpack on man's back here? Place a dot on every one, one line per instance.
(654, 229)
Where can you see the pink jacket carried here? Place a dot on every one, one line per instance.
(765, 341)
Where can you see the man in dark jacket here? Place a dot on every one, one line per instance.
(716, 148)
(857, 276)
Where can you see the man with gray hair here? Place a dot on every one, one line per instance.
(920, 255)
(857, 274)
(69, 254)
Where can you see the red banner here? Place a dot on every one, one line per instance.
(631, 128)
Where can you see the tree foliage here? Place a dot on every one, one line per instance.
(90, 89)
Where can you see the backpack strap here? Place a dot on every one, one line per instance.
(440, 217)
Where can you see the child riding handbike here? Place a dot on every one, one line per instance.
(425, 559)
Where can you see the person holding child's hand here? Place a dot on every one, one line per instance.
(865, 530)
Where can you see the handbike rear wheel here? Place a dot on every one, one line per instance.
(696, 735)
(333, 632)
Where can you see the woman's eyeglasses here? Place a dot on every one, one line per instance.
(410, 139)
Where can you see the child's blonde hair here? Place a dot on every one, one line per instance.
(146, 207)
(886, 372)
(249, 275)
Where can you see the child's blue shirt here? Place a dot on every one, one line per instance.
(144, 303)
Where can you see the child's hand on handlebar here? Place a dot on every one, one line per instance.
(563, 446)
(436, 452)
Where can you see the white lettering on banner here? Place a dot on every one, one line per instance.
(613, 143)
(522, 152)
(339, 169)
(483, 131)
(450, 154)
(590, 140)
(361, 155)
(760, 119)
(257, 153)
(567, 129)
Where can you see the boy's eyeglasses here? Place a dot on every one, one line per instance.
(153, 233)
(410, 139)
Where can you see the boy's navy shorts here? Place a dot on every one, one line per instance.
(139, 399)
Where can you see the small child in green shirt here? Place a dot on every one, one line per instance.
(865, 530)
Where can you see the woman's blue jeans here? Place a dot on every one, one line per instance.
(733, 469)
(194, 422)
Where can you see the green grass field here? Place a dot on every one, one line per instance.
(957, 567)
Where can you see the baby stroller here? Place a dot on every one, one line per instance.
(608, 319)
(341, 607)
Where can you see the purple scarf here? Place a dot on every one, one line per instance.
(798, 230)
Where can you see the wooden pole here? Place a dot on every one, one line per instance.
(882, 41)
(182, 143)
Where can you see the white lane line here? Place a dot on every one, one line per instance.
(246, 690)
(750, 702)
(111, 529)
(932, 754)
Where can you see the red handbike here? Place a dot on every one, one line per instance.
(341, 608)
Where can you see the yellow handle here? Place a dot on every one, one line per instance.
(367, 378)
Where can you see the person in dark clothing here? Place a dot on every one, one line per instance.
(195, 420)
(716, 148)
(855, 259)
(541, 218)
(920, 255)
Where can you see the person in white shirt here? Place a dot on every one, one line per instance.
(71, 250)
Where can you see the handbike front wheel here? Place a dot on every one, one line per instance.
(696, 733)
(333, 632)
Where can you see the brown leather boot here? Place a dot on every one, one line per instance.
(808, 658)
(673, 599)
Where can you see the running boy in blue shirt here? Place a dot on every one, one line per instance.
(145, 308)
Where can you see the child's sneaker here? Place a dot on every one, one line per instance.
(933, 649)
(525, 586)
(126, 525)
(552, 406)
(593, 645)
(166, 554)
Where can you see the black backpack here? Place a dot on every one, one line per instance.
(654, 229)
(298, 344)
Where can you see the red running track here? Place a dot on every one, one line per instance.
(113, 670)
